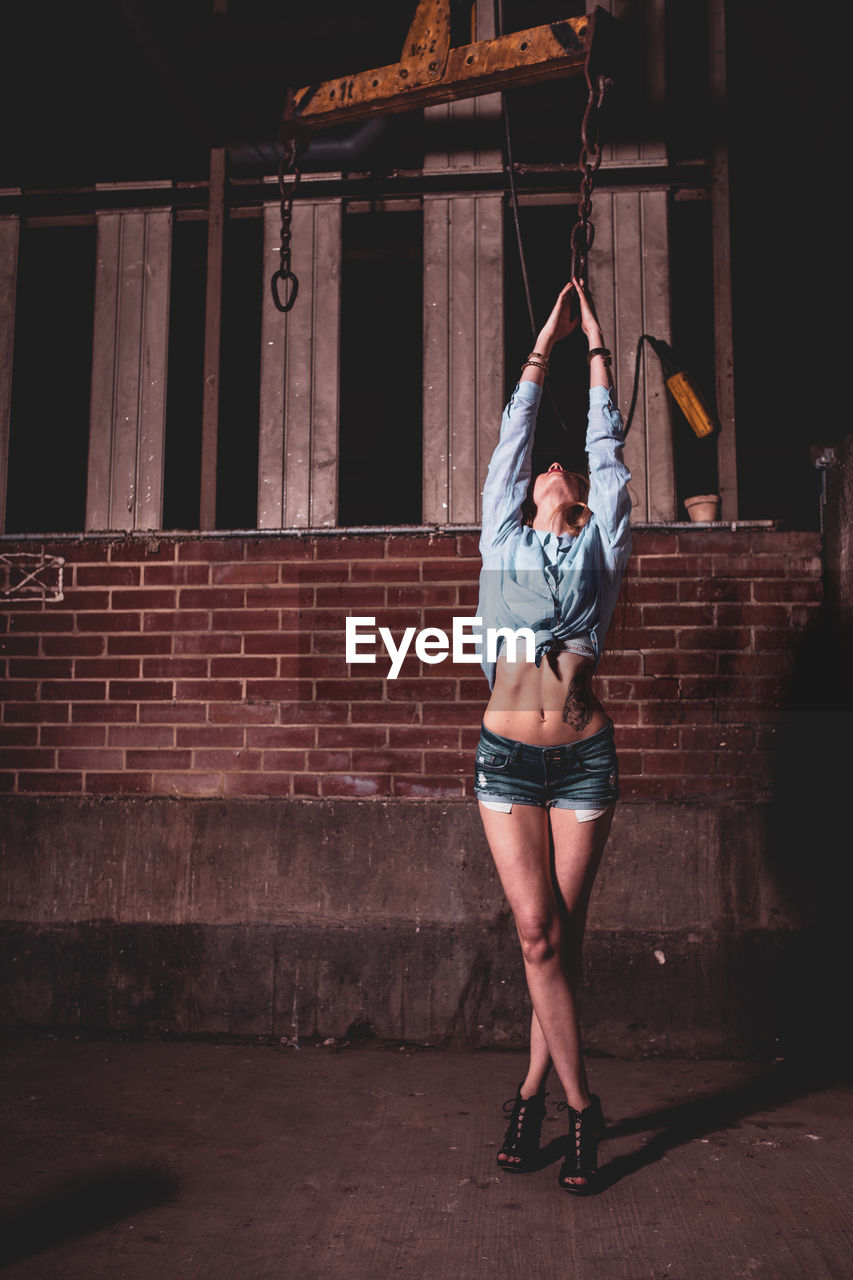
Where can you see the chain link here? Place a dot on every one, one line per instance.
(583, 232)
(284, 276)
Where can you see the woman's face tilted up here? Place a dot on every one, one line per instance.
(556, 486)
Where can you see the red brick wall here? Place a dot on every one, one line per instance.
(196, 667)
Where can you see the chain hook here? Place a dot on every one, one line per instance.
(583, 232)
(284, 276)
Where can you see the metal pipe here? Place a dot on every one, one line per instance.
(321, 155)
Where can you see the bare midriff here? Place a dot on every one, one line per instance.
(545, 706)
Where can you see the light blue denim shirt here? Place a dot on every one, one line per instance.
(558, 585)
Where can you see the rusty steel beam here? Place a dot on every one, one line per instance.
(430, 72)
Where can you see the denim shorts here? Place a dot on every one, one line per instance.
(580, 775)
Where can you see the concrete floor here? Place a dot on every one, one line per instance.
(171, 1161)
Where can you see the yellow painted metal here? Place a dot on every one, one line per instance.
(690, 400)
(521, 57)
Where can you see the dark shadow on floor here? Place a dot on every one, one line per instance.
(68, 1213)
(701, 1117)
(689, 1121)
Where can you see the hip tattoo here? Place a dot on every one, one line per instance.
(577, 709)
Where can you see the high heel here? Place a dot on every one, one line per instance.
(520, 1146)
(585, 1131)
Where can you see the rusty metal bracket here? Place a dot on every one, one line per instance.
(28, 575)
(431, 72)
(427, 45)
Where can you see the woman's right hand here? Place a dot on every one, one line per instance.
(589, 320)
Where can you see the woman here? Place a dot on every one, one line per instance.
(546, 771)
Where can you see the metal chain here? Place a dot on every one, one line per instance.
(284, 276)
(583, 232)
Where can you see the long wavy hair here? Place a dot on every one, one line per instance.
(575, 514)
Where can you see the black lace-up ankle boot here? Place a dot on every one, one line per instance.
(585, 1130)
(520, 1150)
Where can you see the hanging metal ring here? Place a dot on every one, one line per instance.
(284, 276)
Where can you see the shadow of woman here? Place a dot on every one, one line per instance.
(809, 854)
(689, 1121)
(94, 1202)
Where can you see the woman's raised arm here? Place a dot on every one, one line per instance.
(560, 323)
(509, 470)
(608, 499)
(599, 364)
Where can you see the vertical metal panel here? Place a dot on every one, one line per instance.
(437, 356)
(325, 379)
(300, 384)
(154, 354)
(657, 319)
(9, 237)
(463, 351)
(629, 324)
(489, 337)
(299, 378)
(130, 290)
(629, 276)
(602, 282)
(462, 374)
(484, 20)
(271, 434)
(104, 368)
(463, 309)
(721, 257)
(212, 338)
(476, 119)
(128, 404)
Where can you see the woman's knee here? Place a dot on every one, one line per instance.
(541, 939)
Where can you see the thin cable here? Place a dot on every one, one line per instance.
(513, 191)
(644, 337)
(510, 168)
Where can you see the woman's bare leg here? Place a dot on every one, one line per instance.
(520, 846)
(577, 854)
(578, 850)
(540, 1060)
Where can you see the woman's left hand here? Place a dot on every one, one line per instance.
(563, 319)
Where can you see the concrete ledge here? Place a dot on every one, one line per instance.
(668, 865)
(283, 917)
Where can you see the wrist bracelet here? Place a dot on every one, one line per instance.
(599, 351)
(537, 363)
